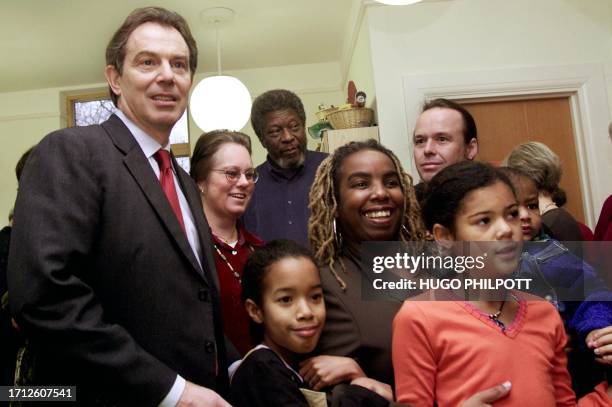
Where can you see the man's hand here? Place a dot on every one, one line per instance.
(600, 340)
(488, 396)
(322, 371)
(383, 389)
(198, 396)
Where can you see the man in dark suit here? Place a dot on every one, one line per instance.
(110, 271)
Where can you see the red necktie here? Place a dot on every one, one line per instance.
(166, 178)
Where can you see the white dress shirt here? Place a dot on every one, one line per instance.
(149, 147)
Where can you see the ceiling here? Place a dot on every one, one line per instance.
(59, 43)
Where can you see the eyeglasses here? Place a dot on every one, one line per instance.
(233, 175)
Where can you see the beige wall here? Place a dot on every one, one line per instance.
(314, 83)
(473, 35)
(360, 68)
(483, 35)
(430, 37)
(27, 116)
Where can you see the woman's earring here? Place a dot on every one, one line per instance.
(337, 235)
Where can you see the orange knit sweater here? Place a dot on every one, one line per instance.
(446, 351)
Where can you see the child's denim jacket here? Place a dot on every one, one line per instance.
(569, 283)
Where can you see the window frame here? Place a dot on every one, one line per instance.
(178, 149)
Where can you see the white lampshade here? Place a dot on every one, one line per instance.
(398, 2)
(220, 102)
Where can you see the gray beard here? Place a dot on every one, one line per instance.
(281, 162)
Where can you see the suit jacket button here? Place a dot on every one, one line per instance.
(203, 294)
(209, 347)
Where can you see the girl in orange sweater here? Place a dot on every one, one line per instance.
(444, 351)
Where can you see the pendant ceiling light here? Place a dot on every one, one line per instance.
(220, 101)
(398, 2)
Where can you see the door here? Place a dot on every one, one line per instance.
(502, 125)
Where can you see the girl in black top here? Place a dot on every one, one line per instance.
(284, 299)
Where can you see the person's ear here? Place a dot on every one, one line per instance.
(201, 186)
(113, 78)
(471, 149)
(254, 311)
(443, 236)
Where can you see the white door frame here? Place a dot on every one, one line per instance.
(584, 84)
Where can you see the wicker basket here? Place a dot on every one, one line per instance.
(322, 114)
(350, 118)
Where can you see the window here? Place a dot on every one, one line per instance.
(86, 108)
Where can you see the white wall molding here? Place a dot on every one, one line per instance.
(29, 116)
(585, 85)
(308, 91)
(351, 35)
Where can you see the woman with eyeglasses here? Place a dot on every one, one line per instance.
(221, 166)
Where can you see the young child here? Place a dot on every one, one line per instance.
(281, 290)
(444, 351)
(559, 274)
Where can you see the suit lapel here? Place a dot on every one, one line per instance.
(195, 204)
(139, 167)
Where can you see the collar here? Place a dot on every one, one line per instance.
(249, 237)
(244, 237)
(147, 143)
(541, 237)
(234, 366)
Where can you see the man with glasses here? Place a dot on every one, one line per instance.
(279, 207)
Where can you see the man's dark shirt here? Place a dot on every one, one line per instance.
(419, 191)
(279, 206)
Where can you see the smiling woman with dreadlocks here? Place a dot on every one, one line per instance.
(360, 193)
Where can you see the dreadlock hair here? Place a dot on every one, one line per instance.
(323, 204)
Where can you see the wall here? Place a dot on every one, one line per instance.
(25, 118)
(29, 115)
(360, 68)
(482, 35)
(313, 83)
